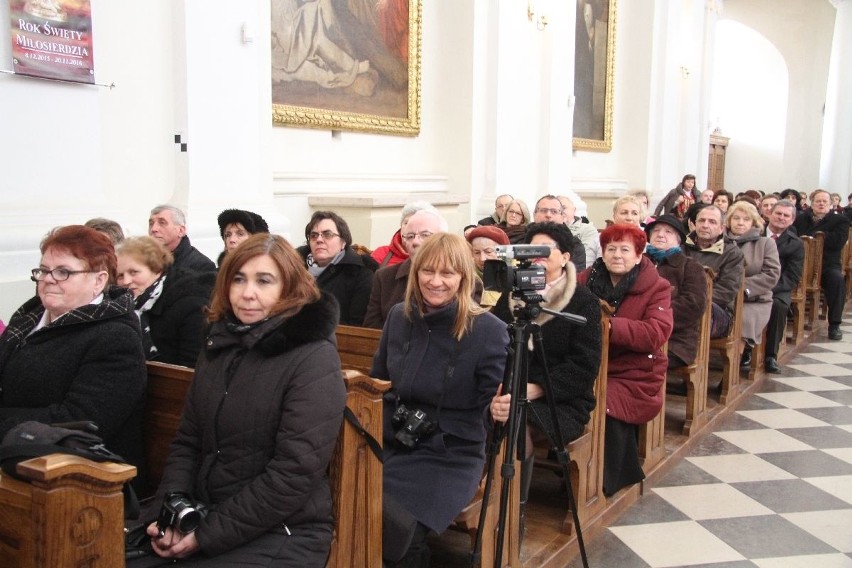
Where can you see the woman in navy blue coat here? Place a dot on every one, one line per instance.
(445, 356)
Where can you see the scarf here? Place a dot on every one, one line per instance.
(315, 269)
(144, 303)
(658, 255)
(601, 284)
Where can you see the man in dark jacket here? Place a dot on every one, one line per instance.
(167, 224)
(500, 205)
(791, 253)
(708, 246)
(836, 228)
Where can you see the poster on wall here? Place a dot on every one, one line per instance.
(53, 39)
(347, 65)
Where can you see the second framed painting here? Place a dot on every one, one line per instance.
(347, 65)
(594, 72)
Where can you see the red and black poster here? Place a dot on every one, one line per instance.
(53, 39)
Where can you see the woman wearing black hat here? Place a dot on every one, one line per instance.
(237, 225)
(689, 291)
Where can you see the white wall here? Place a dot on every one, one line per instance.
(802, 31)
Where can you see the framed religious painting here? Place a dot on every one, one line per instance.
(594, 64)
(347, 65)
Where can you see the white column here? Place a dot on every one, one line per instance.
(836, 160)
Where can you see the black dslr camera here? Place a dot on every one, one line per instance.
(411, 426)
(181, 513)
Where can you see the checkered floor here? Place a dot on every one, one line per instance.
(771, 487)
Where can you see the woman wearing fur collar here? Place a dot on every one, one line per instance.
(572, 352)
(261, 418)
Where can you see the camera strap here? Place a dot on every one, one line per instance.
(375, 446)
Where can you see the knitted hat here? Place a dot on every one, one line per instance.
(251, 222)
(669, 220)
(489, 232)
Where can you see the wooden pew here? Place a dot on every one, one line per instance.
(798, 297)
(69, 512)
(356, 346)
(587, 451)
(652, 435)
(697, 373)
(814, 280)
(730, 349)
(355, 474)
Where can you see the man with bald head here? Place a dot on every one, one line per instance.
(500, 205)
(390, 282)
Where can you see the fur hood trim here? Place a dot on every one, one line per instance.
(314, 322)
(558, 296)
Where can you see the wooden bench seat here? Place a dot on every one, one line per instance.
(730, 348)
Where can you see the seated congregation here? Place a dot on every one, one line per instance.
(265, 335)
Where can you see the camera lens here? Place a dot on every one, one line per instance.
(187, 520)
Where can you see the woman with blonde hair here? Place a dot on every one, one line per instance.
(515, 219)
(168, 299)
(628, 209)
(445, 356)
(762, 270)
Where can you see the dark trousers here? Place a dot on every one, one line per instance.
(720, 322)
(775, 327)
(834, 288)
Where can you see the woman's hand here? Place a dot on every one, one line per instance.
(173, 544)
(500, 405)
(534, 391)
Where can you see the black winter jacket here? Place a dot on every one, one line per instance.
(350, 281)
(261, 421)
(86, 365)
(177, 317)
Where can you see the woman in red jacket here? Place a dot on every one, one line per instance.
(641, 325)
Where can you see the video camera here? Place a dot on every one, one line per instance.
(513, 270)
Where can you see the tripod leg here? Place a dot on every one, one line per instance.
(526, 481)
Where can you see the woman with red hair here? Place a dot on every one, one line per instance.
(637, 364)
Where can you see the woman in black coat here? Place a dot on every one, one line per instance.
(339, 270)
(169, 300)
(445, 356)
(261, 419)
(74, 352)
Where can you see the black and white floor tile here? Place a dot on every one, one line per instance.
(770, 488)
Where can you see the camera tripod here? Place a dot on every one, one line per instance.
(514, 430)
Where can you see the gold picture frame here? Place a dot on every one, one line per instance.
(359, 70)
(594, 75)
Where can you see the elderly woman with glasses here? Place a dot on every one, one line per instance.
(338, 269)
(74, 351)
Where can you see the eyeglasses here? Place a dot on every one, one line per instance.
(423, 236)
(326, 235)
(510, 212)
(550, 211)
(58, 274)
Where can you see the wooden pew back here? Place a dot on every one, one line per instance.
(356, 347)
(697, 373)
(814, 279)
(68, 511)
(799, 295)
(729, 347)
